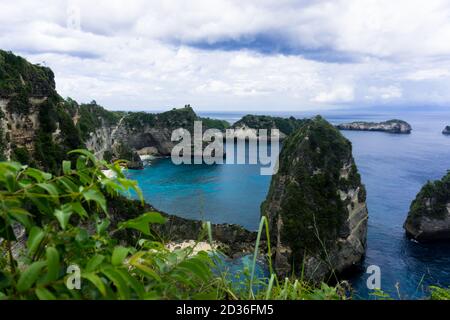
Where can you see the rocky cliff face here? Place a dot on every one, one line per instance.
(429, 215)
(316, 204)
(391, 126)
(35, 123)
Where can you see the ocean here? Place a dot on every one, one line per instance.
(393, 168)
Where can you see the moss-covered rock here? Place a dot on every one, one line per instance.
(316, 203)
(429, 215)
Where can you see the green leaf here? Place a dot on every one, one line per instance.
(34, 239)
(142, 223)
(50, 188)
(68, 184)
(118, 281)
(53, 266)
(94, 262)
(119, 254)
(94, 195)
(78, 208)
(96, 281)
(63, 215)
(44, 294)
(30, 275)
(10, 182)
(38, 175)
(197, 267)
(85, 153)
(67, 167)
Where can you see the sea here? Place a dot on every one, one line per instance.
(393, 168)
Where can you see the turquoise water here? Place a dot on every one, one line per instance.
(393, 168)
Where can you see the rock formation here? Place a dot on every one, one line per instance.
(391, 126)
(316, 204)
(429, 215)
(446, 130)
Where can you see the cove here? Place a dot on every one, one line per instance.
(393, 168)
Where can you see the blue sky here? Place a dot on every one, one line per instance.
(227, 55)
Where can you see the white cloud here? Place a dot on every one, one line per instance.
(154, 54)
(384, 93)
(338, 94)
(428, 74)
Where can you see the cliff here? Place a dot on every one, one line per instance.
(391, 126)
(249, 124)
(35, 122)
(316, 204)
(429, 215)
(38, 127)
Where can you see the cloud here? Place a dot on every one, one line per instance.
(338, 94)
(384, 93)
(429, 74)
(234, 55)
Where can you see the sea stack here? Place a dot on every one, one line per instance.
(446, 130)
(390, 126)
(316, 204)
(429, 215)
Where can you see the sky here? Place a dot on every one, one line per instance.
(227, 55)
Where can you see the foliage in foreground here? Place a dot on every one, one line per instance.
(54, 227)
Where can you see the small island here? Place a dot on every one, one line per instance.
(429, 216)
(446, 130)
(390, 126)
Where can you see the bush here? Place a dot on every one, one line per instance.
(66, 223)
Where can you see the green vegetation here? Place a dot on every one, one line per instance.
(214, 123)
(18, 75)
(21, 154)
(92, 117)
(49, 152)
(3, 141)
(173, 119)
(432, 199)
(19, 103)
(285, 125)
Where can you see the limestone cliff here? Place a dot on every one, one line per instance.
(390, 126)
(316, 204)
(429, 215)
(35, 122)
